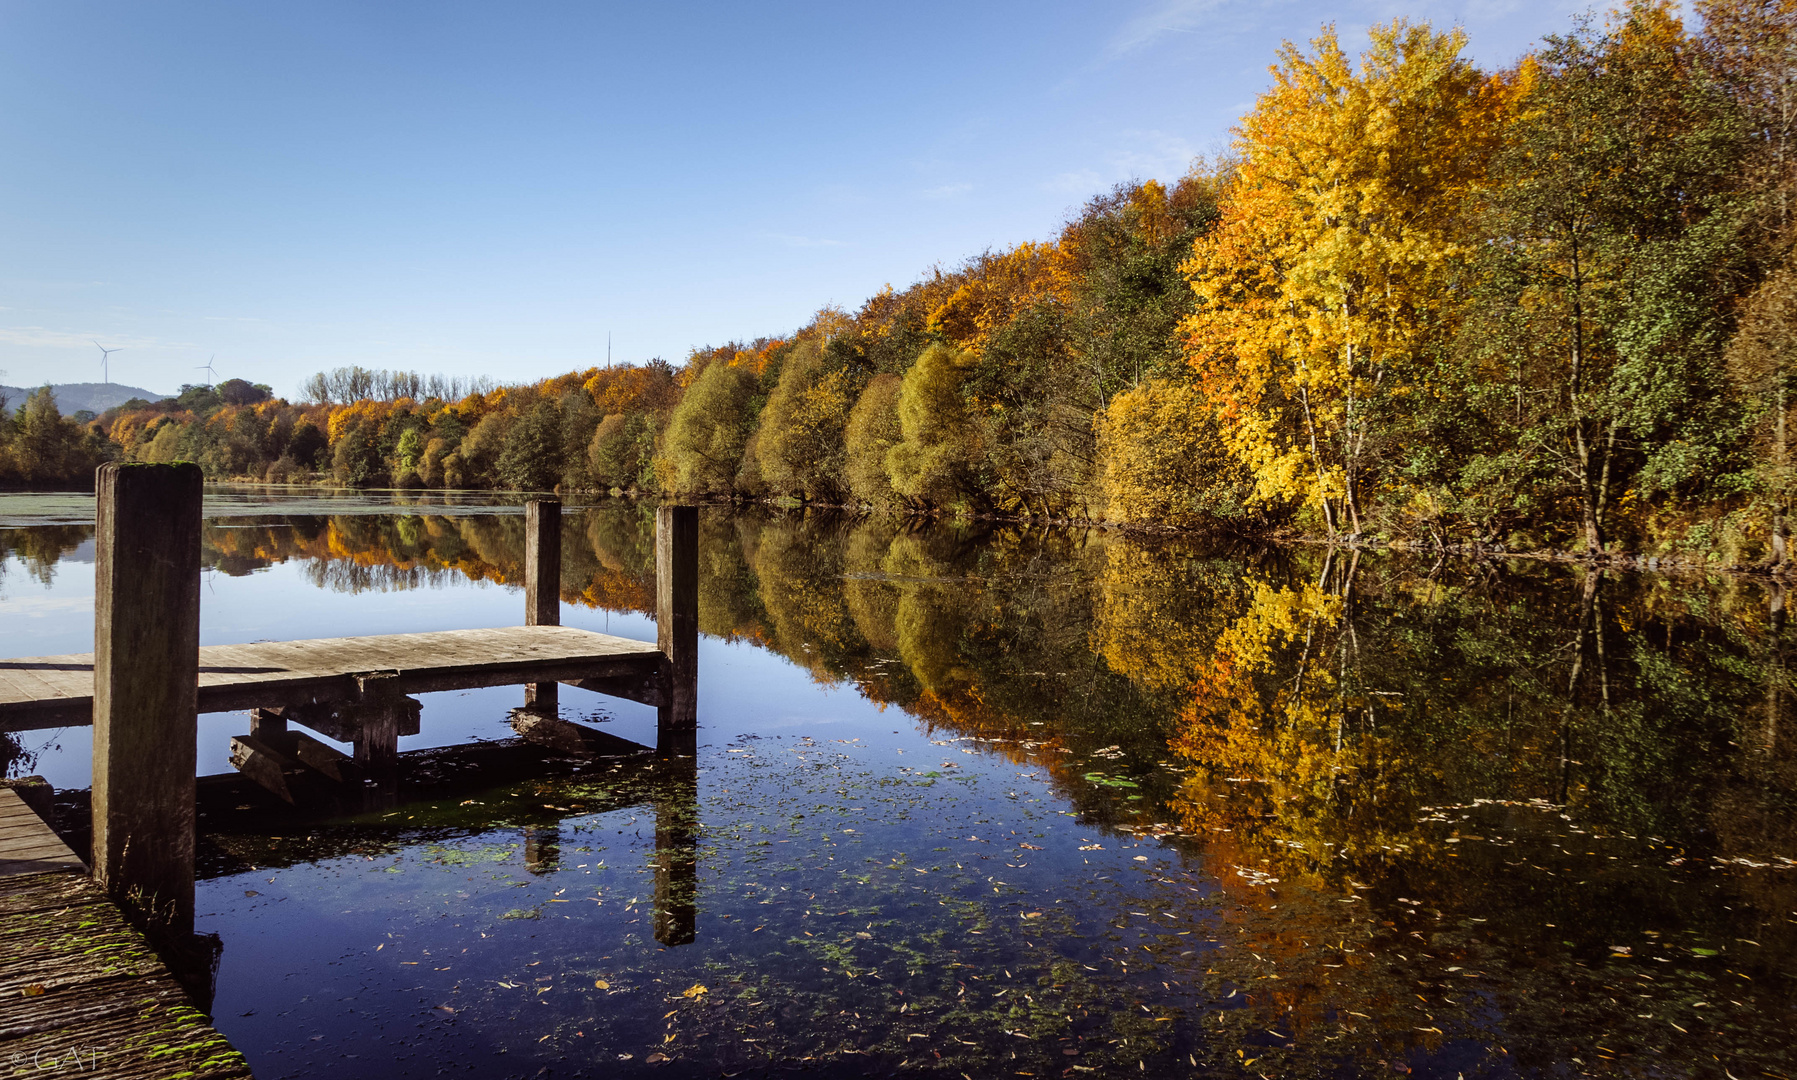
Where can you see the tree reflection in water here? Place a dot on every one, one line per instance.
(1498, 816)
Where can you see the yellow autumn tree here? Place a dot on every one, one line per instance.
(994, 288)
(1162, 461)
(1334, 266)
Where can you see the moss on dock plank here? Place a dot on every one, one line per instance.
(80, 984)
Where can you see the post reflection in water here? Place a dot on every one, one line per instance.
(1482, 817)
(676, 850)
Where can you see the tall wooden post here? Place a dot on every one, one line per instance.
(677, 625)
(146, 687)
(542, 584)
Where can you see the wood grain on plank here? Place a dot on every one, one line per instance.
(53, 691)
(27, 846)
(76, 976)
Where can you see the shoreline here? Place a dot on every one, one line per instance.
(1677, 564)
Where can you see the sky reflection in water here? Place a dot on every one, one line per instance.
(1006, 802)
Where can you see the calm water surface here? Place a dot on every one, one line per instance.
(998, 802)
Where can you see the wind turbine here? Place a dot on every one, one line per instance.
(105, 355)
(207, 368)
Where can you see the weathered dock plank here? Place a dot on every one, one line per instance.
(86, 994)
(57, 691)
(27, 846)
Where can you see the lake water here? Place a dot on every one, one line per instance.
(993, 801)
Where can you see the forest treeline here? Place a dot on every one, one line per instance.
(1549, 306)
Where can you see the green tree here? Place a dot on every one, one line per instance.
(800, 439)
(1752, 44)
(622, 450)
(703, 446)
(532, 457)
(935, 461)
(356, 459)
(872, 430)
(40, 446)
(1604, 295)
(308, 446)
(411, 448)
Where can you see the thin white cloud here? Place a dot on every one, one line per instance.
(1165, 17)
(44, 338)
(947, 191)
(1083, 182)
(802, 241)
(1139, 154)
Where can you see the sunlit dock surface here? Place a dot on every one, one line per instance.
(57, 691)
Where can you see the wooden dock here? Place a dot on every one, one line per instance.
(58, 691)
(83, 991)
(27, 846)
(86, 995)
(82, 988)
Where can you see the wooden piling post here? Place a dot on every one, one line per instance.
(146, 680)
(542, 584)
(378, 717)
(543, 562)
(677, 624)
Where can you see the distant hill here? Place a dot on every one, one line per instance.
(73, 397)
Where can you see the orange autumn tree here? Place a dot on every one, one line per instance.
(1334, 267)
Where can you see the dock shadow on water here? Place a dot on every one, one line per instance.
(1003, 802)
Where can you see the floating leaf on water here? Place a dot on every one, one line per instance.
(694, 992)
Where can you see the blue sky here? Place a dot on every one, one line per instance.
(491, 189)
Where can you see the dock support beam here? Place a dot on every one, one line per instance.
(677, 626)
(146, 679)
(542, 585)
